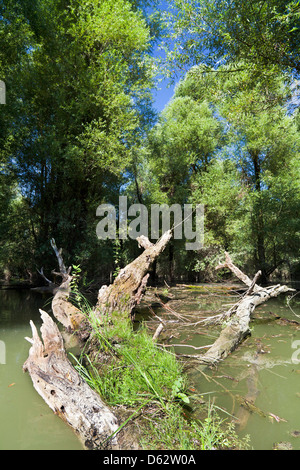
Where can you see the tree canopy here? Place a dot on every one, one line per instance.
(265, 34)
(79, 129)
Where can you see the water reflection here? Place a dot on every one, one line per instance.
(270, 376)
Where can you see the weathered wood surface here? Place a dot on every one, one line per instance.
(238, 325)
(130, 284)
(65, 392)
(63, 310)
(235, 270)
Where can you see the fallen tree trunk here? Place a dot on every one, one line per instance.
(65, 392)
(129, 286)
(63, 310)
(122, 296)
(238, 326)
(243, 413)
(52, 374)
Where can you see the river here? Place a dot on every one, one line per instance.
(271, 377)
(26, 422)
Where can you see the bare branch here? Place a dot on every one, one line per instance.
(238, 273)
(63, 270)
(158, 331)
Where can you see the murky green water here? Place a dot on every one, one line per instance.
(26, 422)
(270, 379)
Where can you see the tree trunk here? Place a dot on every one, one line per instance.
(63, 310)
(259, 220)
(65, 392)
(129, 286)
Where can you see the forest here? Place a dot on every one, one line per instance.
(95, 179)
(79, 129)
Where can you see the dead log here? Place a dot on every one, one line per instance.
(158, 331)
(65, 392)
(130, 284)
(239, 274)
(63, 310)
(238, 326)
(52, 374)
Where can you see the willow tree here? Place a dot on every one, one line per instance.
(179, 147)
(265, 34)
(78, 83)
(263, 143)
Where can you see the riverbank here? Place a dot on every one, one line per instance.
(35, 427)
(148, 390)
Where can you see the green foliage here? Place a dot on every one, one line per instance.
(78, 81)
(78, 129)
(177, 432)
(132, 372)
(181, 145)
(240, 188)
(136, 370)
(265, 34)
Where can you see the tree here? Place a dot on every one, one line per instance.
(264, 144)
(179, 147)
(263, 34)
(78, 85)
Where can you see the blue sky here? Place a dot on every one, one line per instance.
(164, 93)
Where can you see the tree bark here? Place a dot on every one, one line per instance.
(129, 286)
(63, 310)
(65, 392)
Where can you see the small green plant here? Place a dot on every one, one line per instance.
(77, 297)
(117, 256)
(177, 390)
(76, 274)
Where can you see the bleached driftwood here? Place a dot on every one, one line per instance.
(53, 375)
(63, 310)
(65, 392)
(238, 325)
